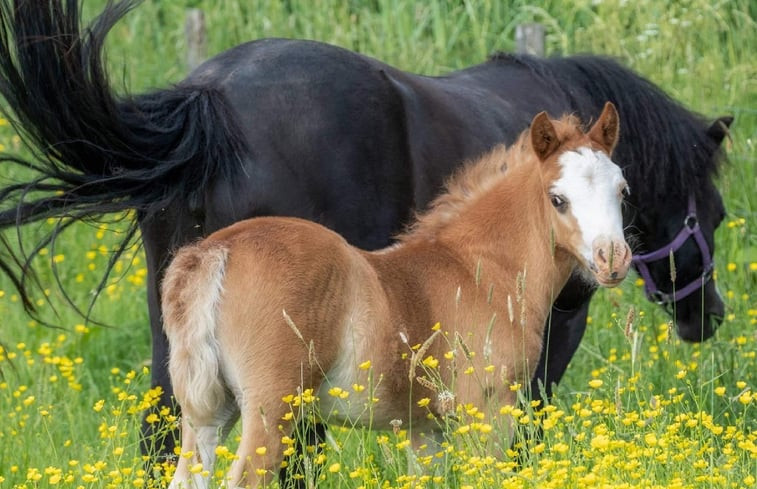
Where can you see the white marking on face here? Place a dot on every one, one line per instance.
(592, 184)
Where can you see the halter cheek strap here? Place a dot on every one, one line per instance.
(690, 228)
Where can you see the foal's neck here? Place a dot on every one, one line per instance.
(507, 220)
(506, 231)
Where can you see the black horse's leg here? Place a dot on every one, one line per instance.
(159, 437)
(161, 234)
(293, 476)
(562, 336)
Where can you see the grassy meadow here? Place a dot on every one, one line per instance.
(638, 407)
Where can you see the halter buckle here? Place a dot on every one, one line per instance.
(691, 222)
(659, 297)
(707, 273)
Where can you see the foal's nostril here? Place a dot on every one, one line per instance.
(614, 275)
(601, 255)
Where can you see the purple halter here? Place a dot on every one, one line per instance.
(690, 227)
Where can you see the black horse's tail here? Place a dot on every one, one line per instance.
(93, 152)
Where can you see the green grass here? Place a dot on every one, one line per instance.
(665, 414)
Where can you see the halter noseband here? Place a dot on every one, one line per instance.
(690, 227)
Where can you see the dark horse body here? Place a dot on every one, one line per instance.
(298, 128)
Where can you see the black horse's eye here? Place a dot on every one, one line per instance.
(559, 202)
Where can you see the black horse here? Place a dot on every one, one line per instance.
(299, 128)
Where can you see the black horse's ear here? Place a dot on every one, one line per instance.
(543, 136)
(719, 128)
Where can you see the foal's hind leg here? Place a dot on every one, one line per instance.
(263, 411)
(197, 446)
(182, 475)
(260, 450)
(200, 437)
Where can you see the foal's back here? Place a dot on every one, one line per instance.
(287, 264)
(270, 266)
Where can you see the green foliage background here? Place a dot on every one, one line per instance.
(701, 52)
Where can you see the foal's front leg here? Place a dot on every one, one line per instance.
(426, 445)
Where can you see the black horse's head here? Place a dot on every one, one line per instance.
(675, 253)
(669, 157)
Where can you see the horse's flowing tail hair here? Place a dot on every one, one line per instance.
(96, 153)
(192, 290)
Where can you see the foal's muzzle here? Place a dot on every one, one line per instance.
(611, 260)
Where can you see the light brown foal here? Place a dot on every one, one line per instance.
(486, 262)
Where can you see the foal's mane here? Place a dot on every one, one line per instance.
(476, 177)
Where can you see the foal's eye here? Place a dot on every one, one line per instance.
(559, 202)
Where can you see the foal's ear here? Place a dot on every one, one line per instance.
(605, 130)
(543, 136)
(719, 128)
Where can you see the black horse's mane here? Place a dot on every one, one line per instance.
(680, 154)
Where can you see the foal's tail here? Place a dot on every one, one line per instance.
(192, 290)
(95, 152)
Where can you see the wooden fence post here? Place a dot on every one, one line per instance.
(529, 39)
(197, 45)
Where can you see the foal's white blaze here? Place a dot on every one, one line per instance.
(592, 184)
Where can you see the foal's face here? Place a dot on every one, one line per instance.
(586, 189)
(587, 198)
